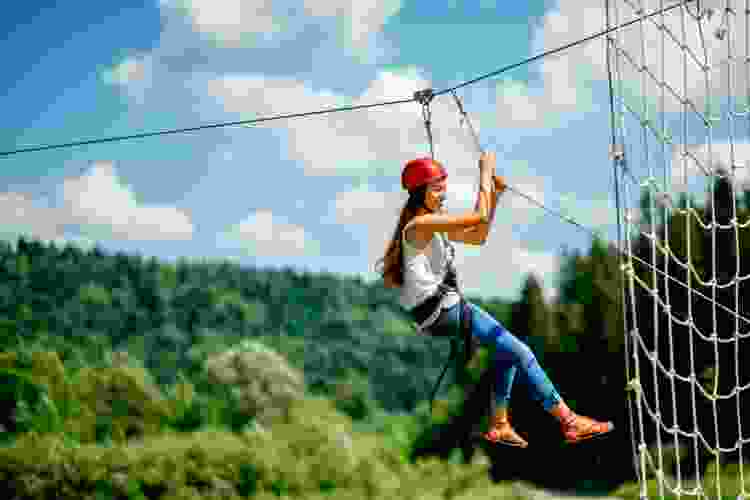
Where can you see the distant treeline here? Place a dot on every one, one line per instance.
(340, 329)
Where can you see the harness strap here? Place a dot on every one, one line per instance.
(464, 326)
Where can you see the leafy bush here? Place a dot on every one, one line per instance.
(25, 405)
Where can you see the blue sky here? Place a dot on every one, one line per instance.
(317, 193)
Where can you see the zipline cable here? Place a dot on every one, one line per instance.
(335, 110)
(564, 47)
(202, 127)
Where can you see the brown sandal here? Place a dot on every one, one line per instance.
(507, 437)
(584, 428)
(501, 432)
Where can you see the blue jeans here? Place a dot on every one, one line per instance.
(511, 356)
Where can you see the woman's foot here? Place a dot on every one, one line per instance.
(501, 432)
(578, 428)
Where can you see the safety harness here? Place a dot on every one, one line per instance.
(450, 281)
(463, 329)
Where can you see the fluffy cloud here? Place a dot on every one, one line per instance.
(362, 18)
(499, 268)
(573, 19)
(236, 23)
(104, 207)
(564, 76)
(562, 91)
(263, 234)
(361, 144)
(229, 21)
(259, 95)
(20, 215)
(98, 205)
(361, 204)
(515, 100)
(563, 83)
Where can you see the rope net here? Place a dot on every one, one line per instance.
(681, 116)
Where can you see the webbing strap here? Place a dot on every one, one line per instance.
(464, 326)
(454, 348)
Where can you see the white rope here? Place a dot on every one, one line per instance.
(656, 137)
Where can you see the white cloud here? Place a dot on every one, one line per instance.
(20, 215)
(263, 96)
(104, 207)
(229, 21)
(237, 23)
(516, 107)
(574, 19)
(565, 75)
(500, 267)
(362, 18)
(363, 144)
(264, 234)
(563, 83)
(361, 204)
(562, 91)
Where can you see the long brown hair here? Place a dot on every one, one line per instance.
(392, 270)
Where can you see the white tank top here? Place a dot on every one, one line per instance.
(423, 274)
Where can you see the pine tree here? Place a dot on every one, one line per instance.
(530, 317)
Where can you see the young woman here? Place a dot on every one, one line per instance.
(419, 259)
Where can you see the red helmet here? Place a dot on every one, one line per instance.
(421, 171)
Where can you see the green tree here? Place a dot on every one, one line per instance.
(95, 295)
(530, 318)
(574, 280)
